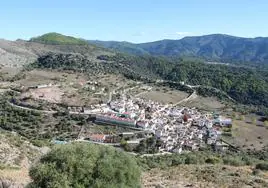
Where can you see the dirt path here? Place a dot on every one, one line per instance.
(45, 111)
(190, 97)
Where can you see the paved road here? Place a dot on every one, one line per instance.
(100, 143)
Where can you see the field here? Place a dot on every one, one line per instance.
(205, 103)
(163, 95)
(39, 77)
(248, 135)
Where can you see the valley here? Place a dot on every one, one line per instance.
(185, 122)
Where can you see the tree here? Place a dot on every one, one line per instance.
(85, 165)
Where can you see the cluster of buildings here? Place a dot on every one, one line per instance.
(178, 128)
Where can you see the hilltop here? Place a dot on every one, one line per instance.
(20, 52)
(56, 38)
(212, 47)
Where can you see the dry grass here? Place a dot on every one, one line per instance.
(20, 176)
(9, 71)
(249, 135)
(164, 96)
(203, 176)
(38, 77)
(205, 103)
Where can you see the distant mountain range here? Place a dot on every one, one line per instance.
(212, 47)
(215, 47)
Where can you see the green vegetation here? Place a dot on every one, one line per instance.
(56, 38)
(212, 47)
(125, 47)
(149, 145)
(85, 165)
(203, 157)
(246, 85)
(262, 166)
(36, 126)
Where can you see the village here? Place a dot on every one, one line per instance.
(178, 128)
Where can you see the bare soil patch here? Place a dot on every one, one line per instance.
(51, 94)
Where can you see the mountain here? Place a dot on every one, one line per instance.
(125, 47)
(56, 38)
(20, 52)
(212, 47)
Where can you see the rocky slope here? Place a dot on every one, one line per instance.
(16, 157)
(19, 53)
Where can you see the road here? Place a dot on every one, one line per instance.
(190, 97)
(100, 143)
(139, 94)
(198, 86)
(31, 109)
(111, 94)
(209, 87)
(46, 111)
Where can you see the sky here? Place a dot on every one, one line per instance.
(133, 20)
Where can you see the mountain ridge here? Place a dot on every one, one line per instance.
(212, 47)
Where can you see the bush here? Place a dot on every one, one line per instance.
(193, 159)
(85, 165)
(233, 161)
(213, 160)
(262, 166)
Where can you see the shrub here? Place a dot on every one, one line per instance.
(85, 165)
(192, 159)
(213, 160)
(233, 161)
(262, 166)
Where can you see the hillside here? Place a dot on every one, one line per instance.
(212, 47)
(245, 85)
(18, 53)
(125, 47)
(56, 38)
(17, 154)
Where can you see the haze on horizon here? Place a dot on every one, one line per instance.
(135, 21)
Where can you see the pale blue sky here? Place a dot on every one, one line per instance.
(133, 20)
